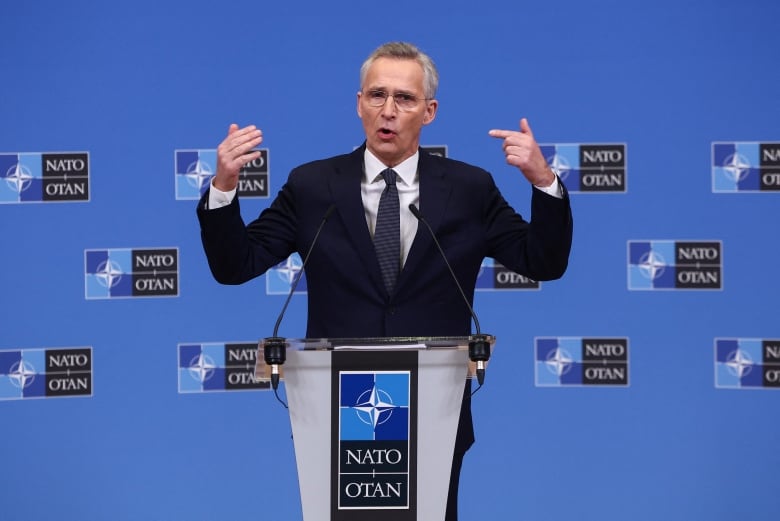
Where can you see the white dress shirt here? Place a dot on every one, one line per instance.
(408, 185)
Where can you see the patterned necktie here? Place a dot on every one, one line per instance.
(387, 235)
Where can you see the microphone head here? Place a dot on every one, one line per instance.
(415, 211)
(274, 350)
(479, 348)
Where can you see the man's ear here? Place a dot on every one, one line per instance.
(430, 111)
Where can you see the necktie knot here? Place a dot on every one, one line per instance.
(389, 175)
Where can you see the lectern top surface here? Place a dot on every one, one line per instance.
(430, 342)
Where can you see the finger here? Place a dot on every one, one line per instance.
(247, 147)
(525, 128)
(235, 132)
(241, 161)
(249, 157)
(502, 134)
(237, 148)
(248, 136)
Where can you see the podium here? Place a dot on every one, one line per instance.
(374, 423)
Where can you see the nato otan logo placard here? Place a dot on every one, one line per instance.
(675, 265)
(493, 276)
(44, 177)
(45, 373)
(374, 441)
(195, 168)
(219, 366)
(436, 150)
(744, 166)
(280, 278)
(581, 361)
(747, 363)
(588, 168)
(131, 272)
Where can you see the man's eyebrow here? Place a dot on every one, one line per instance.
(393, 93)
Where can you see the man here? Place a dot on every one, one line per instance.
(351, 293)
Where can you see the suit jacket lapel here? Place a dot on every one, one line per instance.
(434, 197)
(345, 187)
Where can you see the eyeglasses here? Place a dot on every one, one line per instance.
(404, 101)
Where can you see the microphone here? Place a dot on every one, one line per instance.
(275, 347)
(479, 347)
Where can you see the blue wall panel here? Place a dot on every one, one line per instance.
(130, 84)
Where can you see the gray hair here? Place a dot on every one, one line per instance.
(405, 51)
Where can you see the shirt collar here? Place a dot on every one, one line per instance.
(406, 170)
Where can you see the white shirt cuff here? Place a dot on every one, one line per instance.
(218, 198)
(554, 189)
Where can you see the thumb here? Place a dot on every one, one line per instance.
(233, 128)
(525, 128)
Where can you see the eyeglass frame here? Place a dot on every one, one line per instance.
(387, 95)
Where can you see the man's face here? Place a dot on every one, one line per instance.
(393, 134)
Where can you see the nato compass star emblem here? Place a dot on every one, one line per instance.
(739, 363)
(374, 407)
(288, 270)
(198, 174)
(559, 165)
(202, 368)
(652, 265)
(22, 374)
(18, 178)
(736, 167)
(108, 274)
(559, 362)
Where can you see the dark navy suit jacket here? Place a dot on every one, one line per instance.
(346, 296)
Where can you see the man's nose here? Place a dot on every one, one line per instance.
(389, 109)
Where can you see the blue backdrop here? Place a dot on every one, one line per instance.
(131, 83)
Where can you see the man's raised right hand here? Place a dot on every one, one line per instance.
(237, 149)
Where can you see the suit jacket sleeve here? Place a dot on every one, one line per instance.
(539, 248)
(237, 253)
